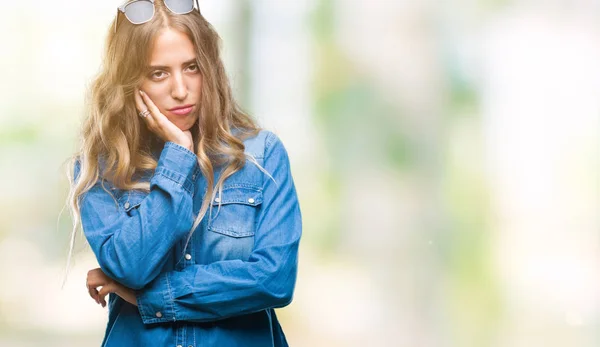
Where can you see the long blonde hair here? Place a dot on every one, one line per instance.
(113, 134)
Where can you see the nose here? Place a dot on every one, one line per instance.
(179, 90)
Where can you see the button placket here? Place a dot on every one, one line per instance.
(180, 335)
(189, 251)
(127, 204)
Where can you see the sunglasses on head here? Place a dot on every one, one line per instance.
(142, 11)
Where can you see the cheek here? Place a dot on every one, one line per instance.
(196, 86)
(156, 93)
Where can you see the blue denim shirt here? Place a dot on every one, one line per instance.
(237, 268)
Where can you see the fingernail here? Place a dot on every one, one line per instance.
(141, 93)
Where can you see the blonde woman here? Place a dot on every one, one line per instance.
(189, 207)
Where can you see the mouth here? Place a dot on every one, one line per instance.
(182, 110)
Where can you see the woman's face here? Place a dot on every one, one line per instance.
(173, 78)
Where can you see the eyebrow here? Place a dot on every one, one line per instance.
(163, 67)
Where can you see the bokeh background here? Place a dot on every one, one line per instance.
(446, 155)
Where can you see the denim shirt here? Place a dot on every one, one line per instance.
(237, 268)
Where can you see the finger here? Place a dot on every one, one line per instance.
(92, 279)
(158, 117)
(93, 293)
(139, 102)
(141, 106)
(95, 280)
(104, 291)
(94, 273)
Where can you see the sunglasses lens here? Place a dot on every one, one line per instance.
(139, 11)
(180, 6)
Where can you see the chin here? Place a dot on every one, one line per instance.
(185, 126)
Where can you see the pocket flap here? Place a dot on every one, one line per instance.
(239, 195)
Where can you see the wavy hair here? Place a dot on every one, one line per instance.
(115, 143)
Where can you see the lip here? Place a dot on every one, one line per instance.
(182, 110)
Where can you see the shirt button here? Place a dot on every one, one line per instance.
(194, 176)
(217, 199)
(251, 200)
(179, 346)
(158, 314)
(188, 256)
(127, 205)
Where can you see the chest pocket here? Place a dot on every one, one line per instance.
(236, 217)
(131, 200)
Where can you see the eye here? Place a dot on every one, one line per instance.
(157, 75)
(193, 68)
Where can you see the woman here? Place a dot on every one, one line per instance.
(189, 207)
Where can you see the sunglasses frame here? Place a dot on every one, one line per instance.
(124, 6)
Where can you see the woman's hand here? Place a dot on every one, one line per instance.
(159, 124)
(97, 278)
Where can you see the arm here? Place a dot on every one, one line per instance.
(131, 249)
(234, 287)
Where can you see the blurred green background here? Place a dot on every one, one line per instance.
(446, 155)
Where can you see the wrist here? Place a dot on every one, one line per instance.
(185, 143)
(127, 295)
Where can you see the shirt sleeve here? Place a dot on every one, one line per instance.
(131, 248)
(223, 289)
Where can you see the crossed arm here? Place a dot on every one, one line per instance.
(226, 288)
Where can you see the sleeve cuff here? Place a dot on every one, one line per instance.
(155, 302)
(178, 164)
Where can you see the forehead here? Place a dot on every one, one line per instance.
(171, 47)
